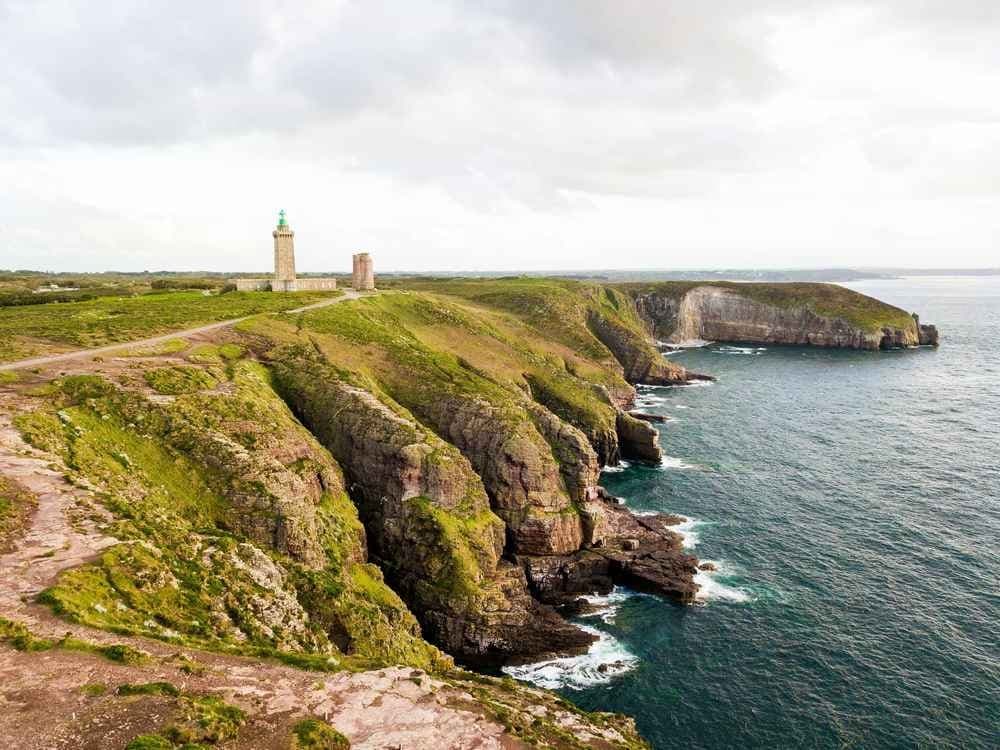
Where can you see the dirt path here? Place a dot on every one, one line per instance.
(62, 533)
(68, 356)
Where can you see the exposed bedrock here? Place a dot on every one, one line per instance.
(640, 360)
(534, 466)
(638, 439)
(638, 551)
(716, 313)
(429, 522)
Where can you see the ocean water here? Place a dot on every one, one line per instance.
(852, 503)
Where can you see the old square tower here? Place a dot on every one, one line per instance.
(284, 279)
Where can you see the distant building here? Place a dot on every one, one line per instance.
(284, 267)
(363, 273)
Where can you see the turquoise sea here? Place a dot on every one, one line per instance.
(852, 504)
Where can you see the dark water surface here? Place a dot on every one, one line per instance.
(852, 502)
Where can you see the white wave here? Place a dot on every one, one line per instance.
(689, 537)
(649, 400)
(681, 406)
(686, 344)
(695, 384)
(607, 658)
(622, 465)
(607, 604)
(672, 462)
(710, 588)
(752, 351)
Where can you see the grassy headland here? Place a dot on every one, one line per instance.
(34, 330)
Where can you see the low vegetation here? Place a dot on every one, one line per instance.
(32, 330)
(316, 734)
(201, 721)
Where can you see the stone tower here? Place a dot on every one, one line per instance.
(363, 273)
(284, 256)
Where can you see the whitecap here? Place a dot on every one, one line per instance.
(607, 604)
(686, 344)
(710, 588)
(607, 658)
(686, 528)
(672, 462)
(695, 384)
(752, 351)
(622, 465)
(650, 400)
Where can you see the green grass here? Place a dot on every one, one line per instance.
(18, 636)
(33, 329)
(202, 721)
(170, 346)
(316, 734)
(180, 379)
(148, 688)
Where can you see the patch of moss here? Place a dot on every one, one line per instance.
(316, 734)
(206, 718)
(94, 689)
(170, 346)
(8, 376)
(179, 379)
(215, 353)
(148, 688)
(150, 742)
(202, 721)
(20, 637)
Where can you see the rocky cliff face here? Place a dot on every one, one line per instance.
(468, 483)
(717, 313)
(429, 520)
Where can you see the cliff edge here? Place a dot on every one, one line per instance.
(805, 314)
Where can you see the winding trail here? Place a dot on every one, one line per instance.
(80, 353)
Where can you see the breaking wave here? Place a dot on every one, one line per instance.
(607, 604)
(711, 588)
(752, 351)
(607, 659)
(672, 462)
(687, 531)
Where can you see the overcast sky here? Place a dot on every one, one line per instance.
(501, 134)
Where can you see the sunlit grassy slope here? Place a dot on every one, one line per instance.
(33, 330)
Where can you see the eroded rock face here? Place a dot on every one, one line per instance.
(429, 522)
(714, 313)
(640, 360)
(638, 551)
(638, 439)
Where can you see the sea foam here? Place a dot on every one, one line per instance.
(710, 587)
(607, 658)
(751, 351)
(622, 465)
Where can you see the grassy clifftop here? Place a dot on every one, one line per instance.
(826, 300)
(33, 330)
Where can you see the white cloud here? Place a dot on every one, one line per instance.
(502, 135)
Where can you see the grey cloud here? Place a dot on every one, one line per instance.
(499, 100)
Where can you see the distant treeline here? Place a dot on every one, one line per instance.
(19, 297)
